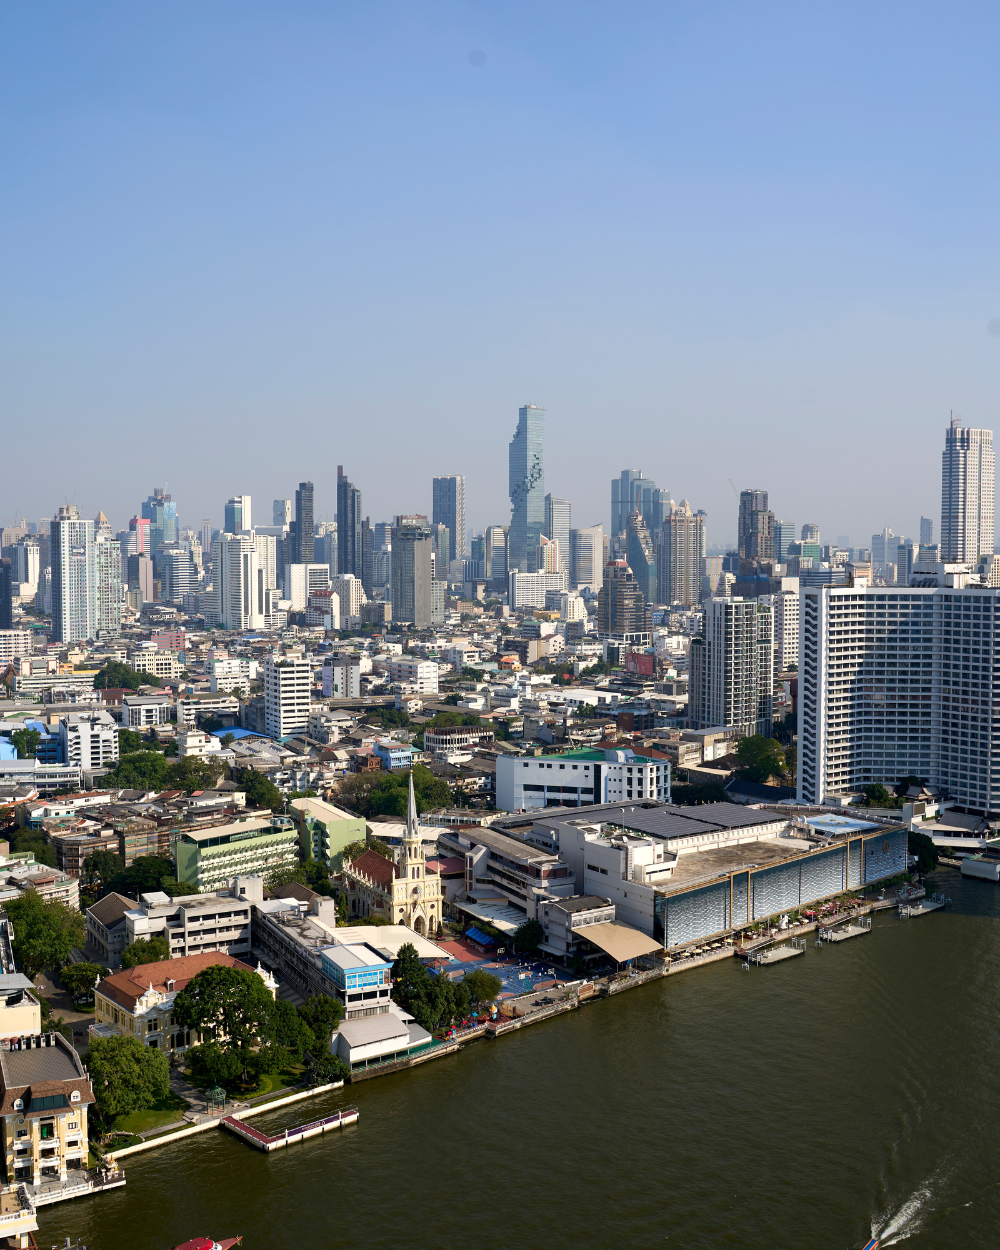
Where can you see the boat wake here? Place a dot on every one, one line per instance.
(906, 1221)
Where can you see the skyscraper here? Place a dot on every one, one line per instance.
(731, 667)
(587, 558)
(412, 595)
(557, 526)
(449, 509)
(441, 535)
(751, 501)
(622, 612)
(642, 557)
(784, 533)
(72, 576)
(621, 499)
(238, 517)
(108, 586)
(238, 594)
(761, 546)
(349, 552)
(161, 513)
(968, 478)
(6, 596)
(926, 531)
(681, 556)
(496, 554)
(302, 529)
(527, 489)
(281, 512)
(810, 533)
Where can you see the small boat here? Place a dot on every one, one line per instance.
(871, 1245)
(206, 1243)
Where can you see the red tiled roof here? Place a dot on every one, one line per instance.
(376, 867)
(128, 986)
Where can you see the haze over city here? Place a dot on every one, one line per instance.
(246, 243)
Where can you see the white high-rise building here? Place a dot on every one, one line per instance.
(968, 479)
(897, 682)
(72, 547)
(287, 683)
(351, 594)
(587, 558)
(528, 590)
(89, 739)
(557, 528)
(267, 558)
(785, 606)
(238, 593)
(302, 580)
(281, 512)
(732, 667)
(26, 565)
(549, 559)
(107, 586)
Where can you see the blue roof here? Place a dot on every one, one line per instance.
(237, 733)
(477, 936)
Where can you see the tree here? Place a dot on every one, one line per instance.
(923, 847)
(353, 849)
(321, 1015)
(117, 676)
(228, 740)
(25, 741)
(325, 1069)
(385, 794)
(44, 932)
(145, 873)
(278, 877)
(878, 796)
(211, 1065)
(126, 1075)
(290, 1030)
(259, 790)
(233, 1007)
(33, 841)
(139, 770)
(101, 867)
(483, 986)
(760, 758)
(528, 935)
(128, 741)
(151, 950)
(80, 979)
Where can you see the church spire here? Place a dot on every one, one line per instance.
(412, 825)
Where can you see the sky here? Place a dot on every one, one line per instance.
(730, 244)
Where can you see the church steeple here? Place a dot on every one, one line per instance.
(413, 849)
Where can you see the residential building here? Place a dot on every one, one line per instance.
(580, 778)
(968, 479)
(301, 530)
(139, 1002)
(731, 667)
(557, 529)
(88, 740)
(495, 548)
(681, 556)
(196, 924)
(193, 744)
(20, 1010)
(238, 517)
(238, 593)
(304, 580)
(449, 509)
(210, 856)
(106, 927)
(342, 677)
(351, 593)
(402, 891)
(421, 675)
(287, 685)
(528, 590)
(73, 576)
(527, 489)
(784, 534)
(140, 711)
(157, 663)
(412, 576)
(14, 642)
(46, 1098)
(6, 596)
(810, 533)
(267, 559)
(751, 501)
(907, 559)
(549, 557)
(896, 682)
(281, 512)
(349, 521)
(448, 739)
(785, 609)
(927, 530)
(140, 577)
(441, 547)
(883, 549)
(587, 558)
(396, 757)
(622, 611)
(26, 564)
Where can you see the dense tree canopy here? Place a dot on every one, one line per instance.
(260, 791)
(44, 932)
(152, 770)
(149, 950)
(25, 741)
(760, 758)
(528, 935)
(385, 794)
(101, 867)
(433, 1001)
(80, 979)
(117, 676)
(230, 1006)
(126, 1075)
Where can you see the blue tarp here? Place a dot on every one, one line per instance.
(474, 935)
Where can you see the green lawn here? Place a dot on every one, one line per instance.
(164, 1111)
(276, 1080)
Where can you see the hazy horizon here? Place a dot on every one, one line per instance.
(246, 243)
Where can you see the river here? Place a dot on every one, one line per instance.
(800, 1105)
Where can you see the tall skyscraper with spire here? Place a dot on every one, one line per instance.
(527, 489)
(968, 479)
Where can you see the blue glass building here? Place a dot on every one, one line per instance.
(527, 490)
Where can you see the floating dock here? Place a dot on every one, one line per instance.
(908, 911)
(261, 1141)
(851, 930)
(772, 955)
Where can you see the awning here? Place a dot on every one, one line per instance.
(475, 935)
(620, 941)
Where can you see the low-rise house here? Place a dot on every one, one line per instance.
(138, 1002)
(45, 1094)
(196, 924)
(194, 743)
(106, 929)
(20, 872)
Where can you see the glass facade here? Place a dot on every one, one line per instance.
(527, 489)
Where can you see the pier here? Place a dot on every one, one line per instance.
(773, 955)
(909, 911)
(262, 1141)
(853, 929)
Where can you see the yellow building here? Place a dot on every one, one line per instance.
(403, 891)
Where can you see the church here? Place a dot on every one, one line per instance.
(401, 891)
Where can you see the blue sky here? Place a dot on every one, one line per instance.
(245, 242)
